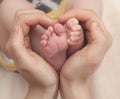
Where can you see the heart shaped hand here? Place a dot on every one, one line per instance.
(55, 42)
(58, 41)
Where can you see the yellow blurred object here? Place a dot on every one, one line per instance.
(7, 63)
(55, 14)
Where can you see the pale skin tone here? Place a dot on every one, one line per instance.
(58, 58)
(72, 86)
(59, 42)
(33, 66)
(8, 22)
(86, 60)
(55, 46)
(36, 35)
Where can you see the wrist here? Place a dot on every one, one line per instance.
(75, 89)
(37, 92)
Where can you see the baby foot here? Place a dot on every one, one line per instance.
(54, 45)
(75, 35)
(35, 35)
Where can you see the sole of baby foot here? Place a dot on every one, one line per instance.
(54, 46)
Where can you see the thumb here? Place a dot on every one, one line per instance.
(97, 44)
(16, 45)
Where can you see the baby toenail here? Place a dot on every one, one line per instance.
(76, 28)
(74, 21)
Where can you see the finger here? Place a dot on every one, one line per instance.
(82, 16)
(32, 19)
(22, 14)
(98, 44)
(22, 55)
(16, 44)
(87, 18)
(26, 11)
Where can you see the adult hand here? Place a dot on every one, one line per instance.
(41, 77)
(80, 66)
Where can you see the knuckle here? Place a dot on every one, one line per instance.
(92, 59)
(66, 75)
(18, 13)
(53, 81)
(103, 39)
(107, 40)
(12, 47)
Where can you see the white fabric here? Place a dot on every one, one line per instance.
(106, 81)
(6, 58)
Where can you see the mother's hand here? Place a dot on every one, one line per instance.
(39, 74)
(80, 66)
(84, 62)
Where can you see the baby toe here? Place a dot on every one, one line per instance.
(75, 38)
(59, 29)
(76, 28)
(44, 37)
(43, 43)
(77, 33)
(71, 22)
